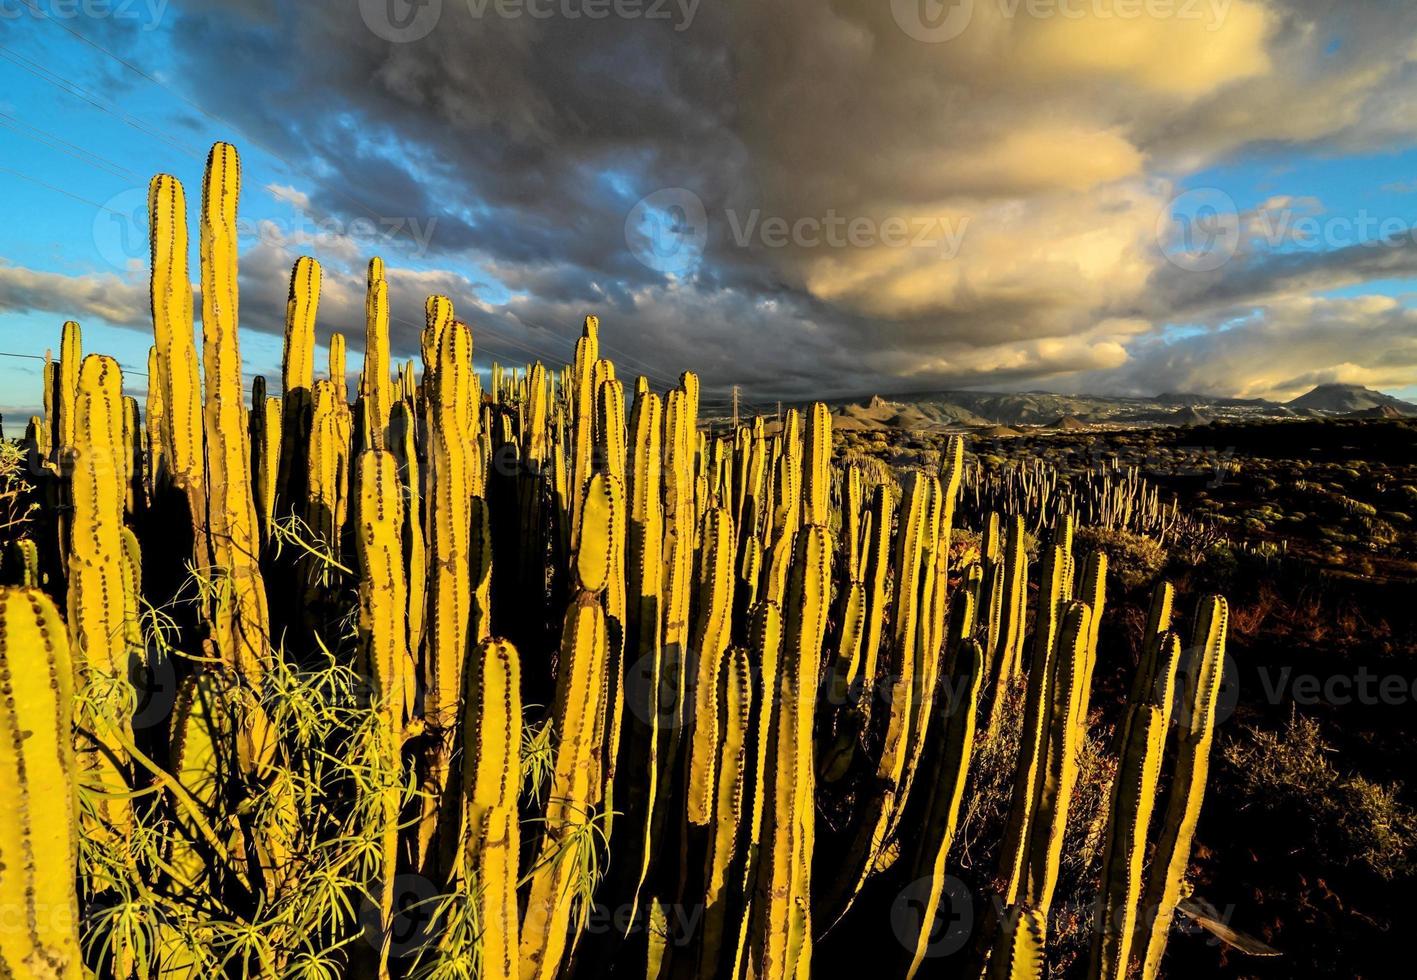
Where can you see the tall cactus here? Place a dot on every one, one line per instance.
(98, 634)
(177, 376)
(734, 705)
(781, 936)
(298, 382)
(947, 791)
(1133, 801)
(1034, 877)
(242, 624)
(1183, 803)
(453, 628)
(70, 358)
(578, 721)
(645, 589)
(376, 387)
(711, 638)
(491, 775)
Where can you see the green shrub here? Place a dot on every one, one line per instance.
(1346, 821)
(1133, 559)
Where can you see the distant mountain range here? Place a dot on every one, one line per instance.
(971, 409)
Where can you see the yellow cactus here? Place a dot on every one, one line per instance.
(576, 770)
(96, 554)
(711, 637)
(734, 705)
(375, 385)
(242, 624)
(70, 357)
(298, 381)
(39, 840)
(491, 776)
(177, 375)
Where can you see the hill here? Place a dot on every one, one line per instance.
(1343, 399)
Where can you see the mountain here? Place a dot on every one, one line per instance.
(1188, 416)
(1341, 399)
(879, 414)
(956, 410)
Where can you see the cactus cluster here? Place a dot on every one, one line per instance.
(498, 650)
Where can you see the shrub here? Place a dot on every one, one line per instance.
(1351, 822)
(1133, 559)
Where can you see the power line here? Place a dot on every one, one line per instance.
(60, 190)
(53, 142)
(69, 88)
(38, 357)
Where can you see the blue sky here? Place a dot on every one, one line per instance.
(516, 166)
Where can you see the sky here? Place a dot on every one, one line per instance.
(807, 199)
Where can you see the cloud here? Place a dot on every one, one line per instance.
(1039, 154)
(1284, 349)
(102, 295)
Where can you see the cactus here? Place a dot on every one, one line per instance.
(1133, 801)
(782, 939)
(339, 366)
(943, 806)
(386, 660)
(266, 418)
(1052, 596)
(708, 649)
(611, 455)
(98, 634)
(645, 580)
(375, 386)
(734, 706)
(491, 771)
(298, 382)
(177, 376)
(450, 520)
(242, 623)
(547, 920)
(39, 840)
(70, 358)
(1196, 723)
